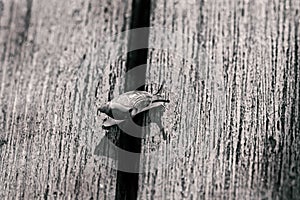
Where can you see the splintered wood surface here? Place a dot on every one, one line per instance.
(53, 73)
(232, 75)
(231, 72)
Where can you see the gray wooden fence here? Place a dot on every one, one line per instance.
(231, 69)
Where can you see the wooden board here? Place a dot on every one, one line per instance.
(232, 74)
(53, 73)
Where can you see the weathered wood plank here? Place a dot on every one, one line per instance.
(54, 70)
(232, 75)
(232, 71)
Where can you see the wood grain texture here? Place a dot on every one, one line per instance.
(54, 72)
(232, 73)
(232, 76)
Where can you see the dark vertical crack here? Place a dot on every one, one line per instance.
(127, 183)
(1, 8)
(24, 34)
